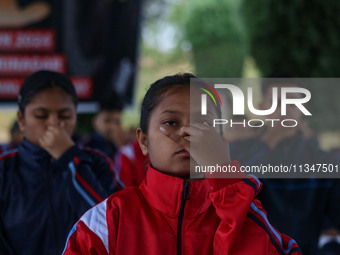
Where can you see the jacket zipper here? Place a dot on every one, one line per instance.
(185, 197)
(50, 201)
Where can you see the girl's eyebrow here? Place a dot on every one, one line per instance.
(65, 109)
(40, 109)
(192, 113)
(209, 114)
(47, 110)
(171, 111)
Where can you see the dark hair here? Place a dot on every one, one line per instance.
(42, 80)
(156, 91)
(111, 103)
(154, 95)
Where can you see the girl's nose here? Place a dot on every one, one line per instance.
(53, 120)
(184, 131)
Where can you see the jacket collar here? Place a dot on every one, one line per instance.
(164, 192)
(31, 151)
(100, 143)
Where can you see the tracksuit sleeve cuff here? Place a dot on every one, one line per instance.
(231, 174)
(69, 155)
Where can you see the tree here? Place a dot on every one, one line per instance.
(300, 38)
(215, 31)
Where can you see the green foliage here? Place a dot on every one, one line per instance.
(84, 124)
(216, 33)
(301, 38)
(324, 105)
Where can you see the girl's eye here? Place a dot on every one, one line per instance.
(204, 122)
(65, 117)
(207, 123)
(41, 116)
(170, 123)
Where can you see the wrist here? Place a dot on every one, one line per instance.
(270, 140)
(56, 154)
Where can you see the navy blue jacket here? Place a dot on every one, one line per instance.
(96, 141)
(298, 207)
(41, 198)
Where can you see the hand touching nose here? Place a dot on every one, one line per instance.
(205, 145)
(56, 141)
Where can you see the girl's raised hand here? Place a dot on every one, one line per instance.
(56, 141)
(205, 145)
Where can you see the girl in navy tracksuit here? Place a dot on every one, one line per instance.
(48, 182)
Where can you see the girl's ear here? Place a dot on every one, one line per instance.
(142, 139)
(21, 121)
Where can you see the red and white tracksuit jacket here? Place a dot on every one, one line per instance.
(131, 164)
(168, 215)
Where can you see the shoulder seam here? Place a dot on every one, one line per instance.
(8, 154)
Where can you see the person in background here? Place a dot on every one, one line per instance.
(329, 241)
(48, 182)
(171, 212)
(16, 137)
(109, 135)
(297, 207)
(131, 164)
(240, 132)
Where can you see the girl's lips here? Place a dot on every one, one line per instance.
(183, 153)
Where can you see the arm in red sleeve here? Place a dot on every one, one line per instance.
(244, 225)
(83, 241)
(90, 234)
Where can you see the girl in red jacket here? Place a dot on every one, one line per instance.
(170, 213)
